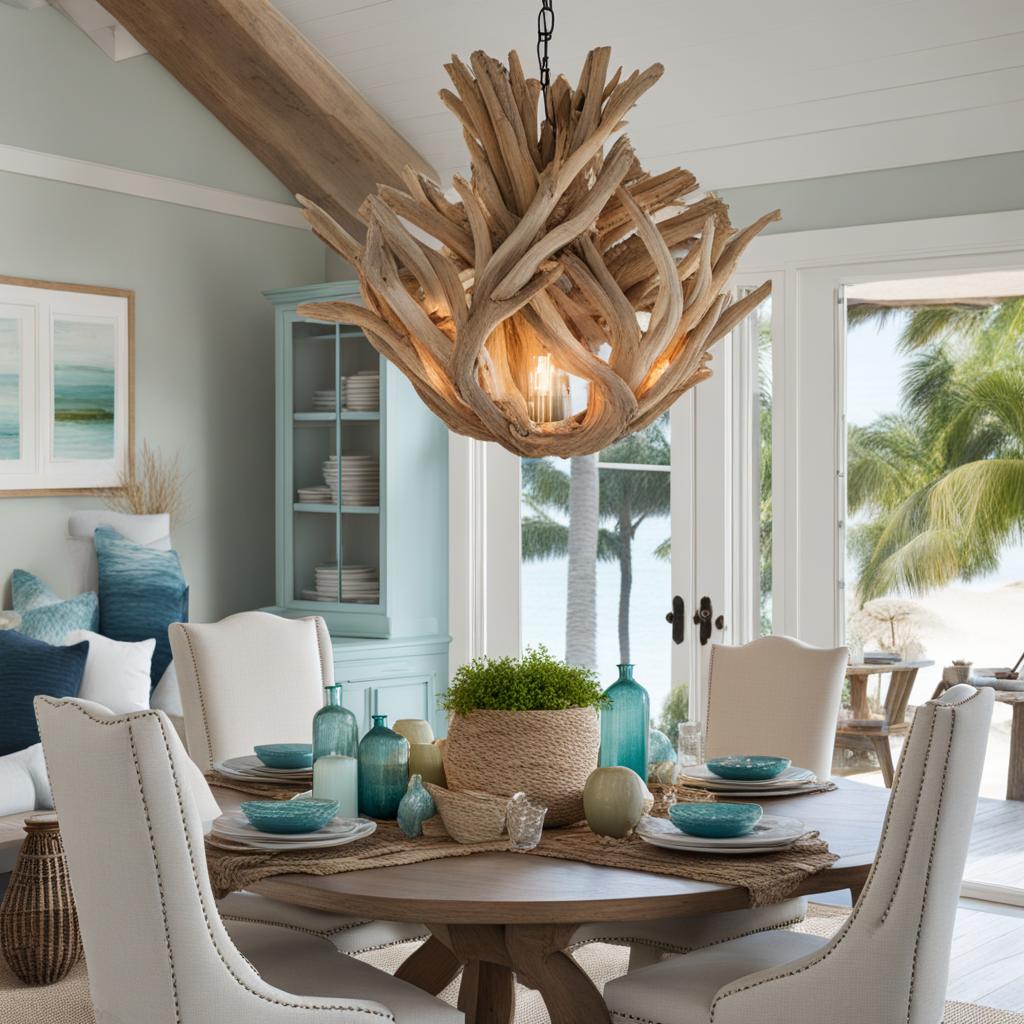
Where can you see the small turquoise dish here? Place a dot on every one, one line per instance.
(286, 817)
(286, 755)
(748, 769)
(715, 821)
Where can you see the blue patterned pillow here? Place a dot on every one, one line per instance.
(29, 667)
(142, 591)
(44, 616)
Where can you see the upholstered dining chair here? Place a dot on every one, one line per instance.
(155, 945)
(259, 678)
(890, 961)
(774, 696)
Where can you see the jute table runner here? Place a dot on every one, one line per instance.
(768, 878)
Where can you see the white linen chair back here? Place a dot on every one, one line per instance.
(775, 696)
(154, 943)
(889, 963)
(250, 678)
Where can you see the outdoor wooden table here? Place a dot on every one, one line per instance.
(875, 735)
(502, 915)
(1015, 769)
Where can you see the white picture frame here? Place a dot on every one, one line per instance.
(67, 387)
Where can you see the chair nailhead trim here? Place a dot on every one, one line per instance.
(833, 945)
(138, 716)
(320, 933)
(199, 692)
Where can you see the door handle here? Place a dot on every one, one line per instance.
(703, 618)
(677, 618)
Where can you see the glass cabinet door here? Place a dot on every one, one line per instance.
(334, 396)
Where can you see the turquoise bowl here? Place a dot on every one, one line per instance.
(289, 816)
(715, 821)
(286, 755)
(748, 769)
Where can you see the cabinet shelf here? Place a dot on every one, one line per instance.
(329, 417)
(346, 510)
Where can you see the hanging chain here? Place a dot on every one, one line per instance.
(545, 30)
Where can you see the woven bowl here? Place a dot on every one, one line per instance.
(289, 817)
(468, 816)
(548, 755)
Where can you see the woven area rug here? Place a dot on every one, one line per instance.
(67, 1002)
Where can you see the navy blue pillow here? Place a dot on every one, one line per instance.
(29, 667)
(142, 591)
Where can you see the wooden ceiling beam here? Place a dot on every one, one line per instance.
(253, 70)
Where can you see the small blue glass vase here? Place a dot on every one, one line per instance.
(383, 770)
(415, 807)
(335, 729)
(625, 724)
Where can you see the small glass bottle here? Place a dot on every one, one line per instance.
(625, 724)
(335, 748)
(383, 770)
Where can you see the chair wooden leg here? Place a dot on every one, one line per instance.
(884, 752)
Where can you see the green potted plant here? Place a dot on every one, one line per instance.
(525, 724)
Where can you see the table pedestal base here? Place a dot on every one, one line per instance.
(492, 957)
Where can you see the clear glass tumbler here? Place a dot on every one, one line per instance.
(690, 744)
(525, 822)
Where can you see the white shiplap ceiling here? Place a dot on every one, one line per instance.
(754, 90)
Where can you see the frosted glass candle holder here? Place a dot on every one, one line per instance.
(524, 821)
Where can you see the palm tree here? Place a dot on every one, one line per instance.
(941, 484)
(626, 499)
(581, 574)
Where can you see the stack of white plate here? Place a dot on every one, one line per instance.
(234, 830)
(320, 494)
(769, 835)
(323, 401)
(359, 583)
(360, 392)
(251, 768)
(360, 479)
(788, 783)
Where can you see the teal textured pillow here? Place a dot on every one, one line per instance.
(44, 616)
(142, 591)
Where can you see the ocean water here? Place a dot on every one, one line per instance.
(88, 390)
(10, 430)
(543, 611)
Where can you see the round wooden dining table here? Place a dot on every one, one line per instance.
(502, 916)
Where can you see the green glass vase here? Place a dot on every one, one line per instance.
(335, 729)
(383, 770)
(625, 724)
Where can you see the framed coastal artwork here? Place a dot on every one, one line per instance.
(66, 387)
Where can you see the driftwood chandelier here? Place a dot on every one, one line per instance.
(559, 259)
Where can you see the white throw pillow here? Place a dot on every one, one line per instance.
(23, 782)
(116, 673)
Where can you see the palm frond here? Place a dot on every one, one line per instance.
(543, 538)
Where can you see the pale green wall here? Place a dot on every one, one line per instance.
(985, 184)
(204, 333)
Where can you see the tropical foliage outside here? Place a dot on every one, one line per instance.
(936, 491)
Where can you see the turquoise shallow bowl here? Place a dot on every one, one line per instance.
(289, 816)
(748, 769)
(715, 821)
(285, 755)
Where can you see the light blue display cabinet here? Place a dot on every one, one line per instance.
(362, 511)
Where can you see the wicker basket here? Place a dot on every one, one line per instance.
(39, 931)
(470, 817)
(546, 754)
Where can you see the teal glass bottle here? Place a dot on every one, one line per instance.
(335, 729)
(625, 724)
(383, 770)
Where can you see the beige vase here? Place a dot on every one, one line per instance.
(546, 754)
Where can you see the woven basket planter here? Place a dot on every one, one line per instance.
(39, 931)
(470, 817)
(546, 754)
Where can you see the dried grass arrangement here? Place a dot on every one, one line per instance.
(547, 257)
(152, 484)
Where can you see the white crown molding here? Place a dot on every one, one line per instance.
(147, 186)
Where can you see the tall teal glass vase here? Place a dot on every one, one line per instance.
(383, 770)
(625, 724)
(335, 729)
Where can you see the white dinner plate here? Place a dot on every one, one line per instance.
(273, 844)
(250, 766)
(790, 777)
(772, 833)
(235, 824)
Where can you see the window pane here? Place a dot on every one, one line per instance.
(762, 326)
